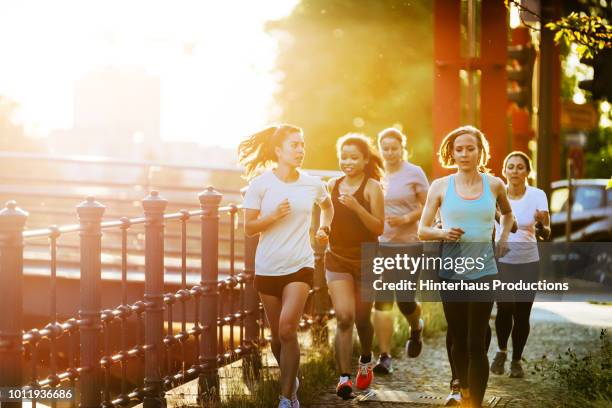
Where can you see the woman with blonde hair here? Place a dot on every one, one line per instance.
(467, 202)
(405, 188)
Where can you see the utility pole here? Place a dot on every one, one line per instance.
(545, 104)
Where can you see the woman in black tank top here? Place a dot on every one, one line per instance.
(358, 203)
(347, 230)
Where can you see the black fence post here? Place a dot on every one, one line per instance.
(90, 214)
(208, 384)
(319, 330)
(12, 222)
(154, 207)
(252, 362)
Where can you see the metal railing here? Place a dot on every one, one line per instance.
(135, 351)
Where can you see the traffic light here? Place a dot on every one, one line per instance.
(600, 86)
(519, 68)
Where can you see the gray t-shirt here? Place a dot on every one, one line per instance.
(401, 190)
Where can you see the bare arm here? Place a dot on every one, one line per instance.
(514, 223)
(427, 230)
(254, 224)
(327, 213)
(412, 216)
(506, 219)
(543, 223)
(374, 220)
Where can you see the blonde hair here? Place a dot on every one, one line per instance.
(396, 134)
(257, 150)
(445, 153)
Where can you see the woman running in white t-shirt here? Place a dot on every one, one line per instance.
(278, 206)
(530, 207)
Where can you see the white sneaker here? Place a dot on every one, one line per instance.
(284, 402)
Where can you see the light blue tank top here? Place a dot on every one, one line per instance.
(476, 217)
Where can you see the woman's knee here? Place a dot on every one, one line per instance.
(287, 332)
(383, 306)
(345, 320)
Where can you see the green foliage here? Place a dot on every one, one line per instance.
(317, 370)
(585, 380)
(598, 154)
(356, 66)
(590, 33)
(435, 324)
(586, 25)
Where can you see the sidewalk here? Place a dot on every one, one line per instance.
(429, 374)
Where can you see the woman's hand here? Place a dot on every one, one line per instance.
(396, 220)
(349, 201)
(322, 236)
(501, 248)
(282, 210)
(452, 234)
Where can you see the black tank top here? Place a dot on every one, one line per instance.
(348, 232)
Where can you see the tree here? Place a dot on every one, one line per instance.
(356, 66)
(586, 23)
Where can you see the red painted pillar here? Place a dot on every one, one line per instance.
(447, 91)
(493, 100)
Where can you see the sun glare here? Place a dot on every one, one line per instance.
(213, 60)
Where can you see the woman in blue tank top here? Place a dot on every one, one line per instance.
(466, 201)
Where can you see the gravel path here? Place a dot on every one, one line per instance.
(429, 374)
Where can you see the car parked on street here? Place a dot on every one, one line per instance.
(590, 254)
(591, 210)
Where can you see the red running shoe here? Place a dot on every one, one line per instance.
(364, 374)
(344, 389)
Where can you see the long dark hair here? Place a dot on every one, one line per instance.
(374, 166)
(257, 150)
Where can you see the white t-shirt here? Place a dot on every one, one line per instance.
(524, 210)
(284, 247)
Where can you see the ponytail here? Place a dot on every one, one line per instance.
(374, 166)
(257, 150)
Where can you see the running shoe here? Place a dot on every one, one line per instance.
(454, 398)
(415, 344)
(294, 399)
(497, 366)
(516, 370)
(284, 402)
(383, 365)
(364, 374)
(344, 389)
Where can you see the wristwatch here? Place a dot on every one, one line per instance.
(325, 229)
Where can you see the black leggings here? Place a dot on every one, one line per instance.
(449, 345)
(513, 316)
(467, 325)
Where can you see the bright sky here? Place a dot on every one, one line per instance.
(213, 58)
